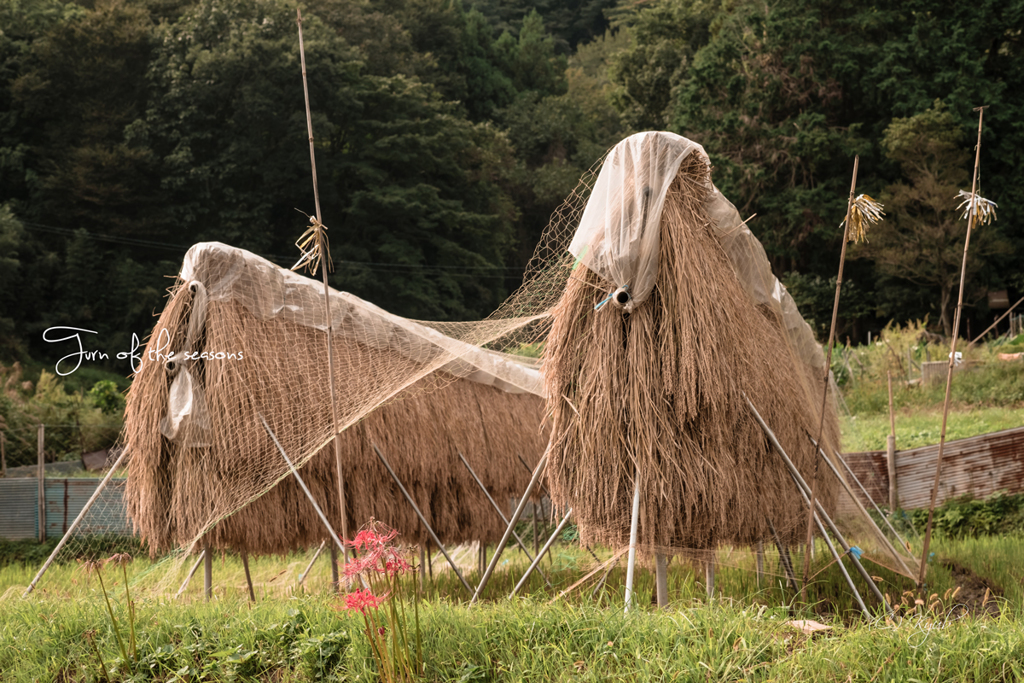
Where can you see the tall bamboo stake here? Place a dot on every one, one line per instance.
(952, 357)
(828, 370)
(324, 258)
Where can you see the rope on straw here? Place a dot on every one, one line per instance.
(984, 209)
(315, 239)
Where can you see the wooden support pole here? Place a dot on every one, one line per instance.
(828, 369)
(709, 576)
(207, 573)
(191, 573)
(423, 569)
(335, 574)
(890, 453)
(248, 577)
(998, 320)
(661, 576)
(3, 456)
(759, 560)
(633, 530)
(430, 562)
(41, 474)
(78, 520)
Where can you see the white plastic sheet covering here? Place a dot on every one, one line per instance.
(619, 233)
(619, 236)
(269, 291)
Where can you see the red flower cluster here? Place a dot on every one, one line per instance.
(377, 556)
(363, 600)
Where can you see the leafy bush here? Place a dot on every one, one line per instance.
(964, 517)
(76, 422)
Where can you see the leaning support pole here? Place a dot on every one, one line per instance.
(191, 573)
(511, 525)
(78, 520)
(248, 577)
(422, 518)
(820, 510)
(295, 473)
(972, 212)
(885, 541)
(501, 514)
(305, 572)
(543, 551)
(634, 525)
(835, 556)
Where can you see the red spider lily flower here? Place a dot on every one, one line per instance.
(363, 600)
(370, 539)
(394, 564)
(359, 565)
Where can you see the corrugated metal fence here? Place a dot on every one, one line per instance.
(978, 466)
(65, 498)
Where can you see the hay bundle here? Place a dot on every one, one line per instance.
(204, 464)
(656, 390)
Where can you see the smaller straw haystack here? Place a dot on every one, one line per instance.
(670, 318)
(241, 337)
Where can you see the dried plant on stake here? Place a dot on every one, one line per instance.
(314, 247)
(978, 209)
(860, 213)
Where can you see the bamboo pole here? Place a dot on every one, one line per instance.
(952, 358)
(633, 529)
(207, 573)
(890, 451)
(998, 320)
(78, 520)
(759, 558)
(828, 372)
(511, 525)
(328, 319)
(504, 519)
(191, 573)
(419, 514)
(661, 579)
(248, 576)
(41, 476)
(709, 576)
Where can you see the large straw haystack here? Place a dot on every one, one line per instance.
(241, 338)
(658, 336)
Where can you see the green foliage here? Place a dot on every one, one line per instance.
(107, 397)
(998, 514)
(76, 424)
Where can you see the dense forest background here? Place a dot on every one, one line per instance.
(448, 131)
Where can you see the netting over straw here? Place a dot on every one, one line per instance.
(242, 338)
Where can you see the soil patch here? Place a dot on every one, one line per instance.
(976, 593)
